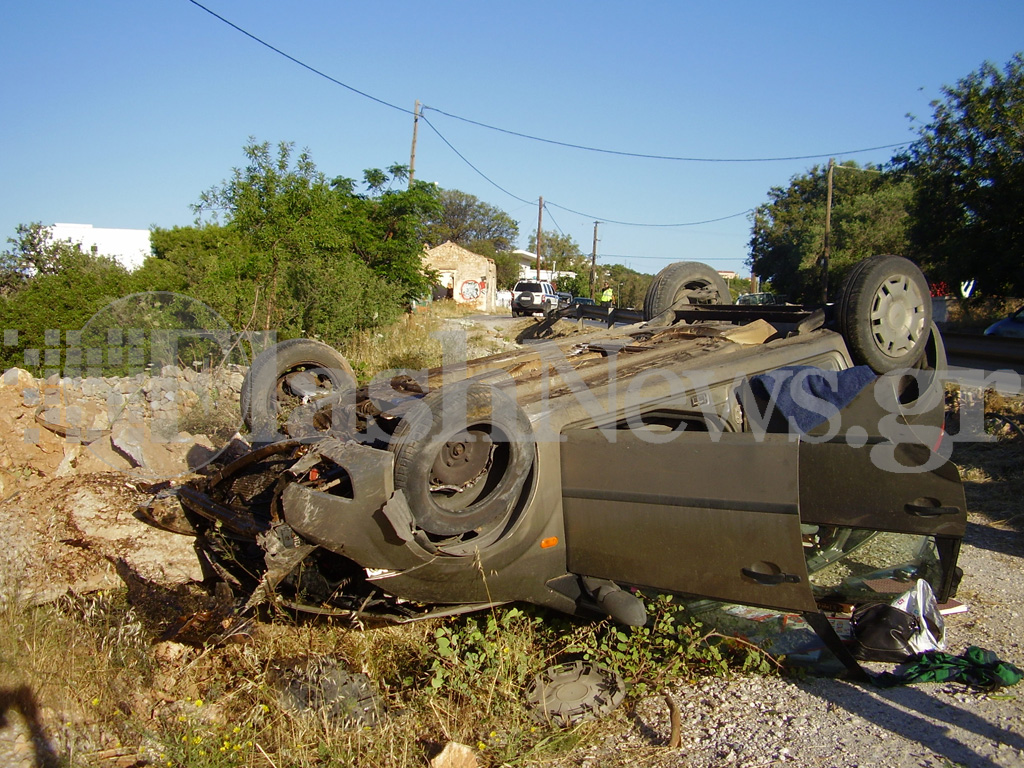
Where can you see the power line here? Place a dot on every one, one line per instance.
(548, 204)
(665, 258)
(551, 216)
(482, 175)
(642, 224)
(567, 144)
(294, 60)
(673, 158)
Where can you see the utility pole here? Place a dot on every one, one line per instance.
(828, 233)
(593, 262)
(540, 233)
(412, 155)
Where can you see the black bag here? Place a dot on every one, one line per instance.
(882, 632)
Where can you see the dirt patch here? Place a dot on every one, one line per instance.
(67, 499)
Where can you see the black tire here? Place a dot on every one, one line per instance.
(265, 397)
(691, 280)
(884, 313)
(462, 457)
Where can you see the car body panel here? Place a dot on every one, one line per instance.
(651, 514)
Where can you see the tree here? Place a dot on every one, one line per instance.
(559, 251)
(629, 286)
(869, 217)
(968, 169)
(307, 256)
(34, 252)
(467, 221)
(68, 291)
(506, 265)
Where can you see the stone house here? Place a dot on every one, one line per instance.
(466, 277)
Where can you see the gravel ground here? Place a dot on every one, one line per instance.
(833, 723)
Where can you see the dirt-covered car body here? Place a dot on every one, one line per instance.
(566, 473)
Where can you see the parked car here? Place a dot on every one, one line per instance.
(564, 299)
(1011, 326)
(529, 297)
(671, 455)
(756, 298)
(583, 301)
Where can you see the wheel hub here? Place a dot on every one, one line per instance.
(461, 462)
(897, 316)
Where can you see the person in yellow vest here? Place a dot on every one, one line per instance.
(607, 295)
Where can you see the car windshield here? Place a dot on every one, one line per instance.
(532, 287)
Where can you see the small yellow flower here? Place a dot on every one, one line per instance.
(96, 702)
(199, 702)
(236, 729)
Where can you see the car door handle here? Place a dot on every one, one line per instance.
(926, 510)
(770, 579)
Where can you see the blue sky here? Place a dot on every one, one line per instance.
(119, 114)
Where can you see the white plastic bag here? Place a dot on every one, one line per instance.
(921, 603)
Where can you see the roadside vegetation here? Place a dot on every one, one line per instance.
(102, 692)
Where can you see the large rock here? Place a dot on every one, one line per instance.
(74, 533)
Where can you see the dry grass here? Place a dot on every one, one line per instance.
(100, 692)
(419, 340)
(992, 464)
(979, 314)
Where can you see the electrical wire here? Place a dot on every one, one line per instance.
(673, 158)
(302, 64)
(482, 175)
(552, 217)
(547, 203)
(530, 137)
(519, 134)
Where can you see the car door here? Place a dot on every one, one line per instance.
(693, 513)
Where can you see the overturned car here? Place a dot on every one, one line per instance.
(782, 456)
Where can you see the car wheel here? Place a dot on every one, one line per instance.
(697, 283)
(462, 459)
(884, 313)
(286, 375)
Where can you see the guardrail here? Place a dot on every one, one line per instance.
(979, 347)
(608, 315)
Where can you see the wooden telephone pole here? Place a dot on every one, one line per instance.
(828, 233)
(593, 263)
(412, 154)
(540, 233)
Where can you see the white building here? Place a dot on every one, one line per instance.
(528, 269)
(128, 246)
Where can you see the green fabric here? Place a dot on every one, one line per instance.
(976, 667)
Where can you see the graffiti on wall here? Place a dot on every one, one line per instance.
(471, 290)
